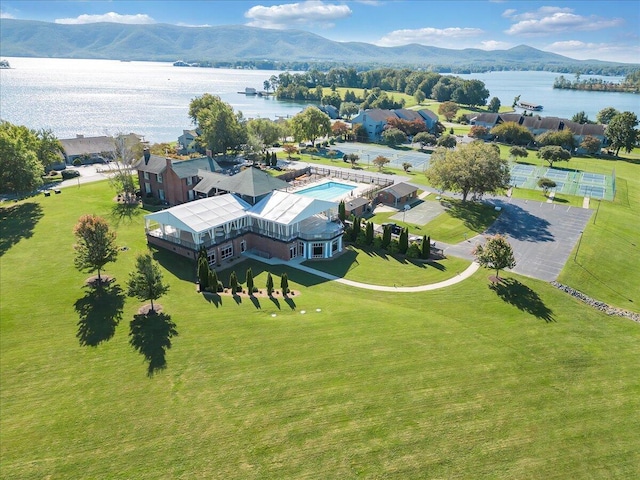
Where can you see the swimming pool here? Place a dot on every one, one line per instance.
(327, 190)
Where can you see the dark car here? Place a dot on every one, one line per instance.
(395, 229)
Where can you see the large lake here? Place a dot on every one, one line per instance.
(98, 97)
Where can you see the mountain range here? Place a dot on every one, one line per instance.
(164, 42)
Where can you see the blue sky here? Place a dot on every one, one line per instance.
(585, 29)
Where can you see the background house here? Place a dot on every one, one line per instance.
(171, 181)
(187, 142)
(374, 120)
(88, 149)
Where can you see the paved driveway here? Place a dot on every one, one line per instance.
(542, 235)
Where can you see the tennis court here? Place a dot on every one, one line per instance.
(569, 182)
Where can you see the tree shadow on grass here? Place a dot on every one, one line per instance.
(289, 301)
(17, 222)
(100, 312)
(476, 216)
(256, 302)
(124, 212)
(275, 301)
(214, 298)
(151, 335)
(522, 297)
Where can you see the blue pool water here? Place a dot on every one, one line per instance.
(327, 191)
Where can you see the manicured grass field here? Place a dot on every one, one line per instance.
(464, 382)
(376, 268)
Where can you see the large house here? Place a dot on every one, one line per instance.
(251, 184)
(172, 181)
(282, 225)
(537, 125)
(95, 149)
(375, 120)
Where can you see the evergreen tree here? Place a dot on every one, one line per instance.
(269, 284)
(386, 236)
(214, 283)
(369, 234)
(428, 248)
(424, 248)
(203, 270)
(249, 281)
(356, 227)
(342, 211)
(284, 284)
(274, 159)
(233, 282)
(403, 241)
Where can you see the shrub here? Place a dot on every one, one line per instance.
(68, 174)
(413, 251)
(394, 246)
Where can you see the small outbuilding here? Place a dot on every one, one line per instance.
(398, 194)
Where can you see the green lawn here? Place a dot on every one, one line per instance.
(458, 220)
(377, 268)
(464, 382)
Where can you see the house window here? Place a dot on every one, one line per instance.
(226, 252)
(147, 188)
(334, 246)
(243, 246)
(191, 195)
(146, 175)
(211, 258)
(189, 180)
(293, 251)
(301, 249)
(161, 194)
(159, 177)
(317, 250)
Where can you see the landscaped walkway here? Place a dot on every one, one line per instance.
(296, 263)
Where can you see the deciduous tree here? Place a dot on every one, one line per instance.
(590, 144)
(310, 124)
(495, 254)
(518, 152)
(448, 110)
(494, 105)
(380, 161)
(605, 115)
(621, 131)
(20, 169)
(553, 153)
(545, 184)
(222, 129)
(95, 244)
(145, 282)
(424, 139)
(394, 136)
(511, 132)
(474, 168)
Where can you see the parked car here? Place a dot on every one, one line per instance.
(395, 229)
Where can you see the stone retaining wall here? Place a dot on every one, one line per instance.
(603, 307)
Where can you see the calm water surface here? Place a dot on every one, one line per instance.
(98, 97)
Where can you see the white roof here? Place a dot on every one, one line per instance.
(288, 208)
(202, 215)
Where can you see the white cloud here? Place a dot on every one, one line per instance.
(111, 17)
(555, 20)
(296, 15)
(6, 15)
(495, 45)
(204, 25)
(444, 37)
(612, 52)
(542, 12)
